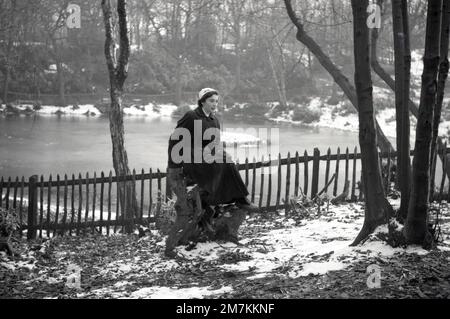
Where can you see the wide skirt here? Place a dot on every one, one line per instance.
(221, 182)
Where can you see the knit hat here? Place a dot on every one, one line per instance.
(205, 91)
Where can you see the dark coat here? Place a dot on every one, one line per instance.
(221, 182)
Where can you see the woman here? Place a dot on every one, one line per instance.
(203, 162)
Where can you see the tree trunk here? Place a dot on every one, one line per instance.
(237, 50)
(7, 70)
(282, 72)
(310, 69)
(402, 74)
(377, 208)
(8, 55)
(138, 34)
(179, 84)
(405, 147)
(442, 77)
(279, 81)
(6, 82)
(337, 75)
(117, 75)
(61, 86)
(391, 83)
(127, 193)
(60, 74)
(415, 229)
(236, 10)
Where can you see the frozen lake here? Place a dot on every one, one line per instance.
(77, 144)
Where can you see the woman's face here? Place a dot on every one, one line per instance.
(210, 104)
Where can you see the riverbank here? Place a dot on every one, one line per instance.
(314, 112)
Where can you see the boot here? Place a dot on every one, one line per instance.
(245, 204)
(227, 226)
(182, 226)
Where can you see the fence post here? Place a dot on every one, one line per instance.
(32, 207)
(169, 193)
(315, 173)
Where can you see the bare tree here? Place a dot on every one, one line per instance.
(173, 29)
(377, 209)
(415, 229)
(337, 75)
(117, 66)
(442, 77)
(11, 33)
(381, 72)
(233, 17)
(402, 86)
(53, 17)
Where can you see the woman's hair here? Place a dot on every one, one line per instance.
(206, 96)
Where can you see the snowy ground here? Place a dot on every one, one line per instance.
(276, 251)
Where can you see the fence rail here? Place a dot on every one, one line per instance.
(73, 204)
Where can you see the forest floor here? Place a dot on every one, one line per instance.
(305, 254)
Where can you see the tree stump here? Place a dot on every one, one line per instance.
(5, 246)
(227, 224)
(206, 223)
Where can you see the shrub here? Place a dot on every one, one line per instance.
(37, 106)
(180, 111)
(280, 109)
(347, 108)
(305, 115)
(253, 110)
(11, 109)
(8, 222)
(381, 104)
(334, 100)
(228, 101)
(301, 99)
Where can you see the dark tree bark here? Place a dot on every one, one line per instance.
(402, 79)
(378, 69)
(405, 148)
(118, 69)
(415, 230)
(377, 209)
(237, 50)
(7, 70)
(178, 83)
(442, 77)
(337, 75)
(60, 73)
(278, 70)
(11, 35)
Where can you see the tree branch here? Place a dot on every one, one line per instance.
(337, 75)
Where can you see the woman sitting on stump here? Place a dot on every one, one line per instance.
(204, 162)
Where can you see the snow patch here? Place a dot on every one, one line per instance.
(174, 293)
(84, 109)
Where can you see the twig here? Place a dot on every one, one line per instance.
(326, 186)
(343, 195)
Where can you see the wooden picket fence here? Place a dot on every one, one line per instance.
(75, 205)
